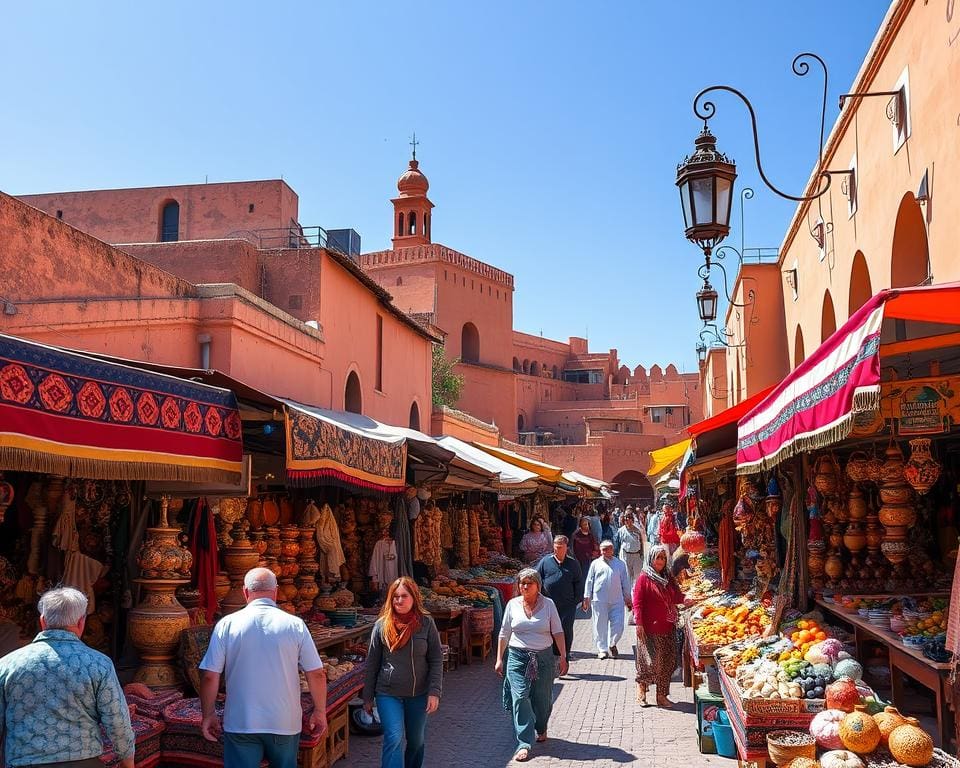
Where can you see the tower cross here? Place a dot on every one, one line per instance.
(413, 143)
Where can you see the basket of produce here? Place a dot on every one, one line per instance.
(784, 746)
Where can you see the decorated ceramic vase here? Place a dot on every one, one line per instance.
(892, 471)
(825, 476)
(921, 471)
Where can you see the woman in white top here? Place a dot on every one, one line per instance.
(527, 662)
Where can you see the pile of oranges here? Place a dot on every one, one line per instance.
(720, 625)
(807, 633)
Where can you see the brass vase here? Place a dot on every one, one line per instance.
(155, 627)
(238, 558)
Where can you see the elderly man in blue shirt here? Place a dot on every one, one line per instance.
(607, 590)
(56, 693)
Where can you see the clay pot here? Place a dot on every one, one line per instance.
(921, 471)
(895, 550)
(154, 627)
(833, 566)
(825, 478)
(54, 492)
(892, 471)
(897, 515)
(815, 563)
(874, 538)
(836, 538)
(255, 513)
(273, 565)
(896, 493)
(258, 539)
(857, 466)
(873, 469)
(854, 538)
(856, 505)
(221, 586)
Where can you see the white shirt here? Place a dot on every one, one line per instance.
(535, 633)
(260, 649)
(607, 582)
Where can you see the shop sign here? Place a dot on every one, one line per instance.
(922, 408)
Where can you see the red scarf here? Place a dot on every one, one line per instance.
(401, 629)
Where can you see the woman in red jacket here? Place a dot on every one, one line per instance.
(655, 598)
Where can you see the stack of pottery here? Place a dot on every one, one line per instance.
(854, 537)
(858, 467)
(290, 567)
(922, 471)
(307, 588)
(156, 623)
(896, 513)
(238, 558)
(825, 478)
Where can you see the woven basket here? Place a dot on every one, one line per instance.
(481, 621)
(784, 746)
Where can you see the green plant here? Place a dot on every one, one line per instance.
(447, 384)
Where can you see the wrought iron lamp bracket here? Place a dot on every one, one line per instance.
(718, 337)
(719, 255)
(706, 109)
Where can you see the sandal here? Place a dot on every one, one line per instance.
(541, 737)
(522, 755)
(641, 694)
(664, 703)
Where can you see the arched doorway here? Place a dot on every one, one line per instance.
(799, 355)
(910, 259)
(828, 318)
(861, 289)
(414, 415)
(526, 366)
(521, 422)
(470, 343)
(634, 488)
(352, 394)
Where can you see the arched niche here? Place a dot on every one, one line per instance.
(861, 287)
(910, 257)
(352, 394)
(828, 317)
(799, 354)
(470, 343)
(414, 416)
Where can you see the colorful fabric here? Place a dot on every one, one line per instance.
(54, 695)
(320, 448)
(815, 405)
(68, 414)
(664, 459)
(661, 650)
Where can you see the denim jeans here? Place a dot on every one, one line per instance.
(402, 717)
(531, 700)
(248, 750)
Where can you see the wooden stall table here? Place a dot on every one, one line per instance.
(904, 660)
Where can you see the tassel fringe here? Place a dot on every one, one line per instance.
(802, 444)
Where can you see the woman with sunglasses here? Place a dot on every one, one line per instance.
(530, 648)
(404, 673)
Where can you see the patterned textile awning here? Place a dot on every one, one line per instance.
(65, 413)
(815, 405)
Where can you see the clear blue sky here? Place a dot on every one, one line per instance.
(550, 131)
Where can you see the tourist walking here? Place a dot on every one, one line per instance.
(668, 533)
(585, 546)
(607, 591)
(630, 544)
(562, 581)
(656, 596)
(536, 542)
(404, 674)
(608, 530)
(527, 661)
(260, 650)
(56, 693)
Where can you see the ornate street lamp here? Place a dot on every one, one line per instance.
(707, 302)
(701, 352)
(705, 180)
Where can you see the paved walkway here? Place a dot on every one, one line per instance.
(595, 721)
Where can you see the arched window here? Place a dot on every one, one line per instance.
(414, 415)
(520, 422)
(426, 225)
(534, 368)
(798, 352)
(516, 364)
(470, 343)
(352, 395)
(828, 318)
(170, 222)
(910, 259)
(556, 372)
(399, 281)
(860, 288)
(413, 223)
(526, 366)
(400, 230)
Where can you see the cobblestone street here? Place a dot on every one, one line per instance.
(595, 720)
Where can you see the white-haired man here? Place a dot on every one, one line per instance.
(260, 650)
(56, 693)
(607, 587)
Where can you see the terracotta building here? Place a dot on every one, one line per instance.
(889, 222)
(552, 400)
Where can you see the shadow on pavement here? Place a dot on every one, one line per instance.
(572, 750)
(592, 676)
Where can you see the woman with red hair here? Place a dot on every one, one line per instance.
(404, 673)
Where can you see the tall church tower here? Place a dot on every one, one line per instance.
(411, 209)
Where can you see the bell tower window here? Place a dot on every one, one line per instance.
(400, 231)
(413, 223)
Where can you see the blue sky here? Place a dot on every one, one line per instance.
(550, 132)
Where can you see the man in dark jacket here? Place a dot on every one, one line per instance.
(562, 583)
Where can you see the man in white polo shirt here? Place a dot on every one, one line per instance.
(260, 649)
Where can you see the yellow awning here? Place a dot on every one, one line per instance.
(546, 472)
(665, 459)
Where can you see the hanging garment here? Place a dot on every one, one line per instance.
(82, 572)
(401, 534)
(328, 539)
(383, 562)
(203, 547)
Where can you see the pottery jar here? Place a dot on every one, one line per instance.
(922, 471)
(825, 478)
(857, 466)
(856, 505)
(854, 538)
(896, 493)
(892, 471)
(897, 515)
(833, 566)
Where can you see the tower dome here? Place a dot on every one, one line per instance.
(413, 183)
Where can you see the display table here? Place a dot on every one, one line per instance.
(903, 660)
(698, 661)
(507, 589)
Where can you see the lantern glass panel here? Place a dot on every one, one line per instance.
(685, 203)
(702, 191)
(724, 193)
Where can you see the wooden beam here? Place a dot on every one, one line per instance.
(923, 344)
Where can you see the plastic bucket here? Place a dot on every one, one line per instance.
(723, 736)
